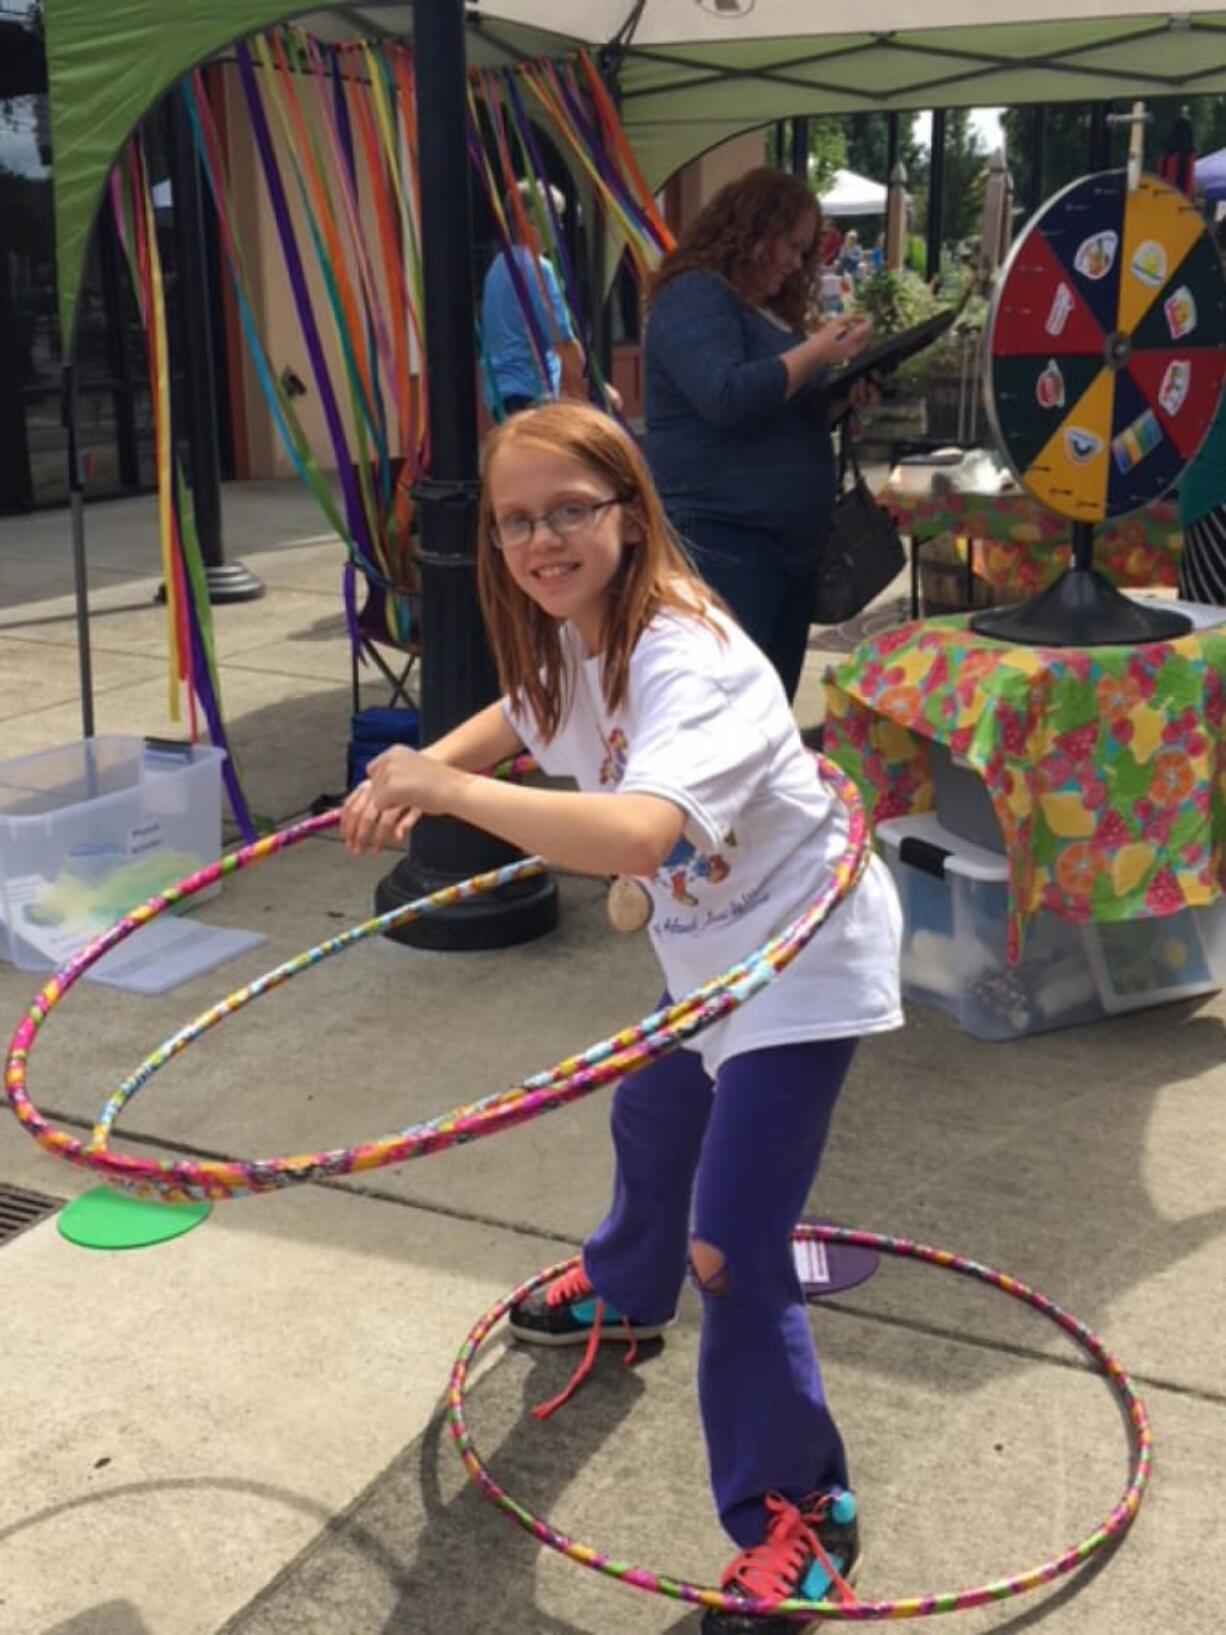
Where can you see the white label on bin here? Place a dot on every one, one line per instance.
(145, 836)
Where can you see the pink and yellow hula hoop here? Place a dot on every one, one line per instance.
(184, 1180)
(621, 1053)
(913, 1606)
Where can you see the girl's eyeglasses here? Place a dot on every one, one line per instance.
(570, 517)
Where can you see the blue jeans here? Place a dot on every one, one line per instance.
(773, 606)
(733, 1168)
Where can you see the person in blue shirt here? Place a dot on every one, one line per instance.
(515, 380)
(737, 407)
(1202, 509)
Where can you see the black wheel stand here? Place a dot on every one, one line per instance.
(1081, 610)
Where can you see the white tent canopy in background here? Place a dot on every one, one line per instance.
(851, 195)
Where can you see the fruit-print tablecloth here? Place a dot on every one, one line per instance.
(1106, 766)
(1020, 546)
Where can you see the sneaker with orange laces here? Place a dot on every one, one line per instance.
(811, 1551)
(567, 1312)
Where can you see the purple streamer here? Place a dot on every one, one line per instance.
(354, 509)
(540, 345)
(200, 677)
(523, 126)
(202, 682)
(595, 146)
(344, 131)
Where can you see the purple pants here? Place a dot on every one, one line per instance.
(732, 1169)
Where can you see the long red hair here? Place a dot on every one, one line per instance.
(654, 573)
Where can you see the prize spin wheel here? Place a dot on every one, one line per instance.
(1105, 361)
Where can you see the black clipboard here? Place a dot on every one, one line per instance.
(884, 357)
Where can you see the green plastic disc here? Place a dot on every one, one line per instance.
(105, 1219)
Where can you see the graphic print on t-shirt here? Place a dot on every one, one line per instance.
(685, 865)
(616, 751)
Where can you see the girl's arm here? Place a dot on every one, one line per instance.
(594, 833)
(483, 740)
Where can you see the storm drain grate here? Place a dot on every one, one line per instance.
(19, 1209)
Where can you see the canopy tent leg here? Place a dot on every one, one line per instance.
(800, 147)
(936, 194)
(76, 505)
(1037, 191)
(227, 581)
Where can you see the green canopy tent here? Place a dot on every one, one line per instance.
(688, 74)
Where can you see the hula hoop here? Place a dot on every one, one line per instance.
(915, 1606)
(191, 1180)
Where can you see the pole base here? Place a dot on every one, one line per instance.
(227, 582)
(1081, 609)
(233, 582)
(514, 914)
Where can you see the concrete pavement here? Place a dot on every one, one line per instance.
(240, 1431)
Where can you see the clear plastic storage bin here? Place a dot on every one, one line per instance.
(90, 830)
(963, 804)
(954, 896)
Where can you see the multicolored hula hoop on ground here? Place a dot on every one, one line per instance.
(184, 1180)
(914, 1606)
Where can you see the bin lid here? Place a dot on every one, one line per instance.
(965, 858)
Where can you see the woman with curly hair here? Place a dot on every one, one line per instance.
(737, 411)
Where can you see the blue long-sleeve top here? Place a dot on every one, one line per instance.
(723, 438)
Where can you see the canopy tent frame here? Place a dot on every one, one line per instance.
(97, 98)
(105, 70)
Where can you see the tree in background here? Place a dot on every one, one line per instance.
(868, 147)
(1068, 138)
(1068, 148)
(966, 155)
(827, 151)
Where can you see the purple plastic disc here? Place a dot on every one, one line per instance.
(829, 1268)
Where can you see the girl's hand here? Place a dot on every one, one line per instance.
(401, 785)
(402, 777)
(363, 827)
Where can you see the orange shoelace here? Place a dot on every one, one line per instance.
(775, 1569)
(572, 1285)
(576, 1285)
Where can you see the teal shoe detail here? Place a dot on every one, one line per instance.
(584, 1311)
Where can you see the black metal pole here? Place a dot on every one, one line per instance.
(1100, 136)
(800, 147)
(780, 142)
(893, 142)
(1037, 190)
(457, 677)
(76, 504)
(936, 194)
(599, 291)
(227, 581)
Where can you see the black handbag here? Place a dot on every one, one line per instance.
(863, 552)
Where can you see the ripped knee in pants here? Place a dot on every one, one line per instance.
(708, 1268)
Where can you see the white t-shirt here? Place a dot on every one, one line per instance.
(706, 725)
